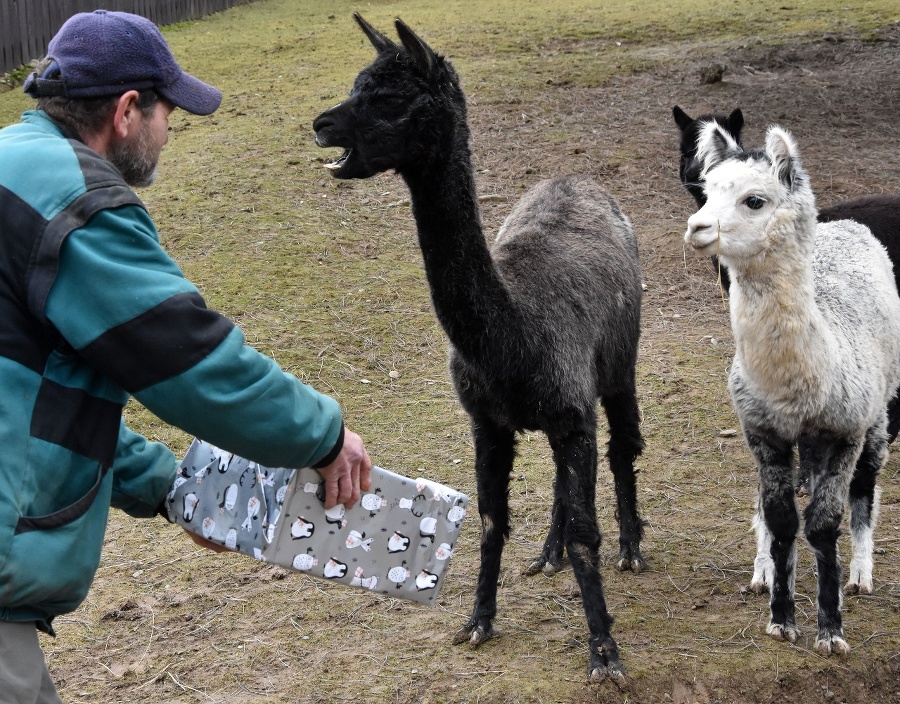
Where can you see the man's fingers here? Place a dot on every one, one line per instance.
(208, 544)
(354, 488)
(348, 474)
(332, 492)
(348, 489)
(365, 473)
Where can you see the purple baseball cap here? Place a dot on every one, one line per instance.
(102, 53)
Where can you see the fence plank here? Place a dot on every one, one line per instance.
(26, 26)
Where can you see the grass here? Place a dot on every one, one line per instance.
(326, 277)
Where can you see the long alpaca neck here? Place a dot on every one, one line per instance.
(469, 298)
(784, 344)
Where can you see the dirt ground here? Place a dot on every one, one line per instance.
(191, 630)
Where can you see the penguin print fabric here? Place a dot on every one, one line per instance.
(397, 540)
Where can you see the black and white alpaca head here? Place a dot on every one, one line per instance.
(758, 201)
(403, 110)
(689, 168)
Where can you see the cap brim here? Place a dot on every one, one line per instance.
(192, 94)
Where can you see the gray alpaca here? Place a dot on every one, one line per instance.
(540, 325)
(816, 322)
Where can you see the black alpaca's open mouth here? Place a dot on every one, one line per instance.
(338, 163)
(326, 137)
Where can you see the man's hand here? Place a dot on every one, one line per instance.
(350, 472)
(204, 543)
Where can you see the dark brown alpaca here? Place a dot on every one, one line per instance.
(540, 325)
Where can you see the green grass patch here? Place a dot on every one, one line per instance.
(326, 277)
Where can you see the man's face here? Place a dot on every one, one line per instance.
(137, 156)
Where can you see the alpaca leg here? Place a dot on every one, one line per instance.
(763, 567)
(551, 558)
(823, 515)
(494, 454)
(864, 504)
(810, 456)
(774, 461)
(625, 444)
(893, 417)
(576, 458)
(805, 453)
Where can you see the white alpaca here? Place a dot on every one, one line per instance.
(816, 322)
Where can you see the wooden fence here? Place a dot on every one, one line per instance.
(26, 26)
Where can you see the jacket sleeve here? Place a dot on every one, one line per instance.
(126, 308)
(143, 473)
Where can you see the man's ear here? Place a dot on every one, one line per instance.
(125, 116)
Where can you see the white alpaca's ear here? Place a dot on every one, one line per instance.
(785, 156)
(422, 54)
(714, 145)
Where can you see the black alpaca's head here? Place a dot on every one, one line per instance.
(402, 111)
(690, 168)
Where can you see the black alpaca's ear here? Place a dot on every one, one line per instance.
(421, 54)
(735, 123)
(682, 119)
(379, 41)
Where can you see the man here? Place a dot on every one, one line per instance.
(92, 312)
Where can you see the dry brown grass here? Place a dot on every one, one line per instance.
(326, 277)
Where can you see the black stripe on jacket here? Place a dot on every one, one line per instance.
(72, 418)
(159, 344)
(22, 339)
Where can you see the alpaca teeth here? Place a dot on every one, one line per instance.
(339, 162)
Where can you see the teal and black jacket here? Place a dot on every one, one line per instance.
(92, 312)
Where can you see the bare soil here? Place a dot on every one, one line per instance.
(168, 624)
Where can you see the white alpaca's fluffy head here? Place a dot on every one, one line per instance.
(753, 197)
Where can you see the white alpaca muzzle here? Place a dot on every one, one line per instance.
(703, 238)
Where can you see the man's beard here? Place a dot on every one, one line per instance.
(136, 162)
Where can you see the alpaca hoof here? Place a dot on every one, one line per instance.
(781, 632)
(831, 645)
(463, 634)
(626, 565)
(605, 663)
(479, 636)
(862, 586)
(631, 560)
(474, 635)
(763, 574)
(533, 567)
(597, 674)
(616, 674)
(543, 564)
(759, 587)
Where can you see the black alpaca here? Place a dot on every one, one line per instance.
(689, 167)
(879, 212)
(540, 325)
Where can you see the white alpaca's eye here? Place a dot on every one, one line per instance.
(754, 202)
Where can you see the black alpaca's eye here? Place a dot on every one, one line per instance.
(392, 101)
(754, 202)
